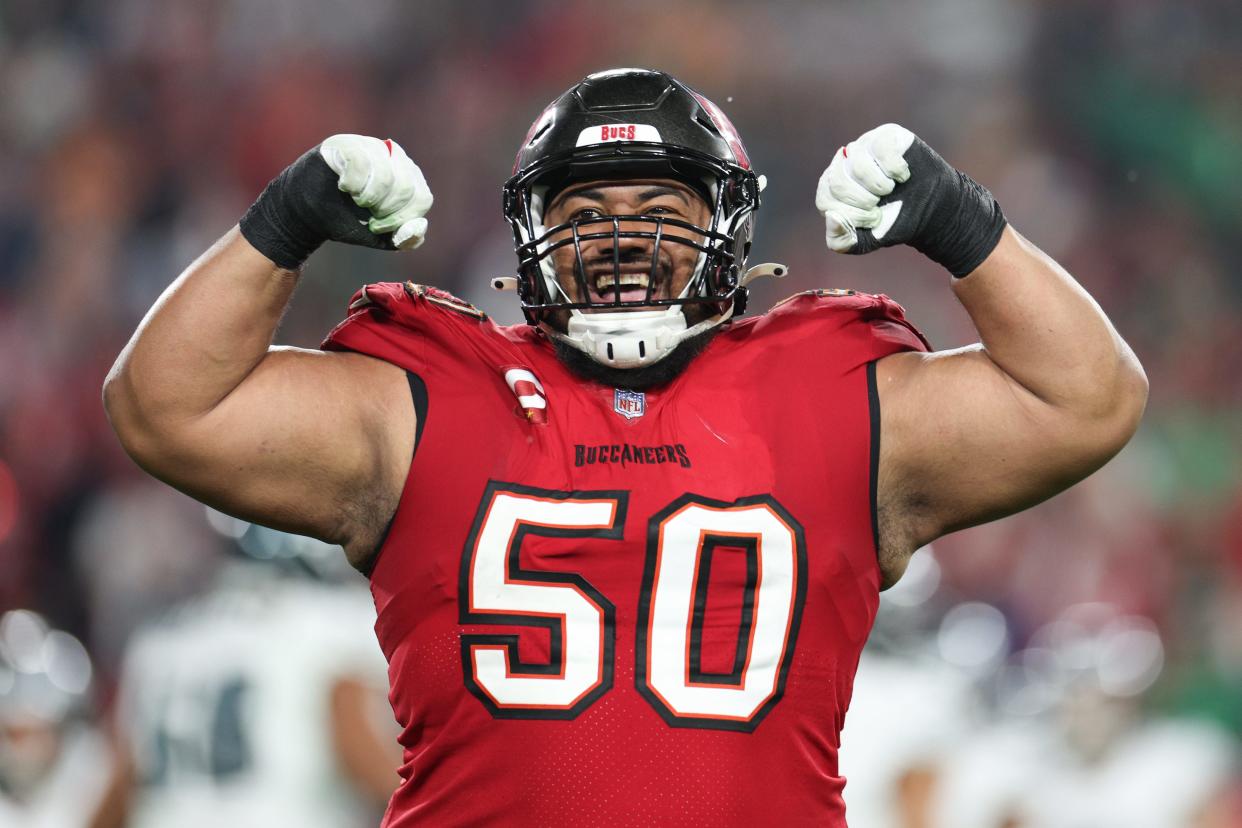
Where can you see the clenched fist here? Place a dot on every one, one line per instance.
(888, 187)
(351, 188)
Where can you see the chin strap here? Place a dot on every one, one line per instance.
(636, 339)
(631, 340)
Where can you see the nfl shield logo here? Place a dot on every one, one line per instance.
(629, 404)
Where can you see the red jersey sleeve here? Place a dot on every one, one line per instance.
(404, 323)
(845, 326)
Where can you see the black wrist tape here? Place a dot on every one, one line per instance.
(280, 224)
(968, 228)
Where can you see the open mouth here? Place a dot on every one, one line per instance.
(631, 286)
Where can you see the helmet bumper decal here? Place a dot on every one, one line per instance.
(605, 133)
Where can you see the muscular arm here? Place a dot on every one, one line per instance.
(1050, 394)
(306, 441)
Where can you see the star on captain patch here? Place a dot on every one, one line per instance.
(529, 392)
(629, 404)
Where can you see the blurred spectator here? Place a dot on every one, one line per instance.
(53, 762)
(132, 133)
(261, 702)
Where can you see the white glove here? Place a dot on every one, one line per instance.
(888, 188)
(860, 174)
(381, 178)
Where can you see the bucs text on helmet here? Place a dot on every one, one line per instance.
(632, 124)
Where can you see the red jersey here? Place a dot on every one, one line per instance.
(603, 607)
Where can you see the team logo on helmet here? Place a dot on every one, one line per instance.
(604, 133)
(727, 130)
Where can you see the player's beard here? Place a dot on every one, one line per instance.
(649, 376)
(635, 379)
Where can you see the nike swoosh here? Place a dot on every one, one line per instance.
(888, 217)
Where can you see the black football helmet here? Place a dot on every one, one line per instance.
(621, 124)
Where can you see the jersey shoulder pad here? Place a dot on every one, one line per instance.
(870, 325)
(443, 299)
(839, 301)
(400, 322)
(392, 297)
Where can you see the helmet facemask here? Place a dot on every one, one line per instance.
(631, 126)
(634, 331)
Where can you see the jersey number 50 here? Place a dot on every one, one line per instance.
(681, 541)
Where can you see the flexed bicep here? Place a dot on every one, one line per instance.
(305, 441)
(1048, 396)
(963, 442)
(310, 442)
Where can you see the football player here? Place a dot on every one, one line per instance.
(1105, 764)
(256, 703)
(54, 763)
(625, 556)
(906, 716)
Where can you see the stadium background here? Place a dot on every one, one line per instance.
(135, 132)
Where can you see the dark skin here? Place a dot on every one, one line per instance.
(644, 197)
(1053, 391)
(320, 443)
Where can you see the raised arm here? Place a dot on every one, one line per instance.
(301, 440)
(1047, 397)
(1050, 394)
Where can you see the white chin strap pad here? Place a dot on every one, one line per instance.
(626, 339)
(634, 339)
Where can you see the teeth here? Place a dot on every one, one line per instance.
(604, 283)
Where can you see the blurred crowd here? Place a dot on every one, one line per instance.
(135, 132)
